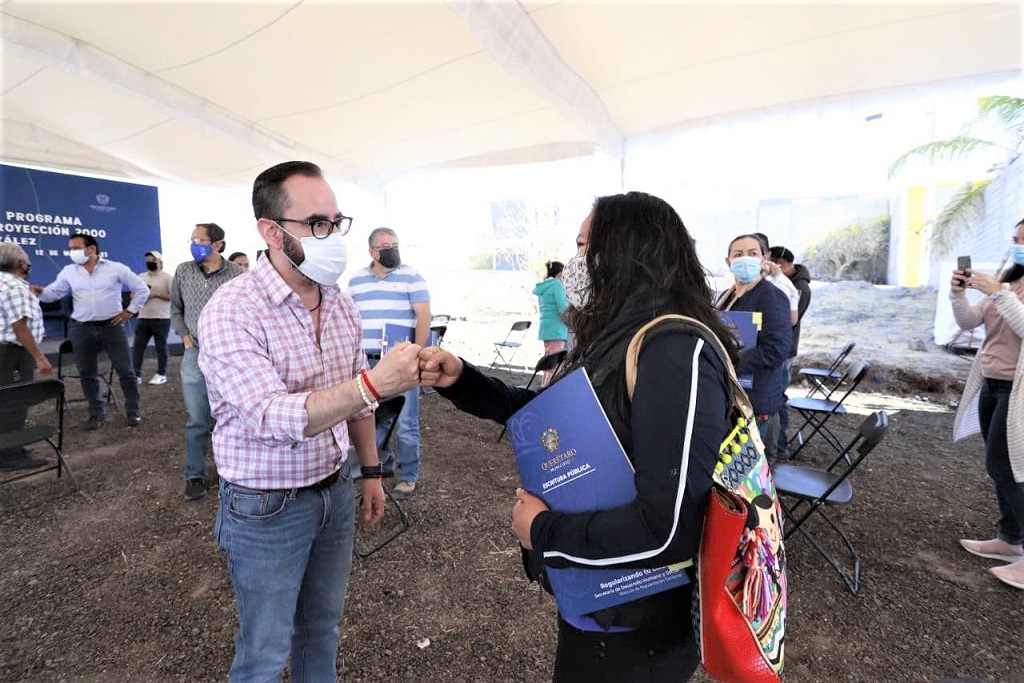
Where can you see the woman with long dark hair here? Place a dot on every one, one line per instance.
(640, 263)
(993, 401)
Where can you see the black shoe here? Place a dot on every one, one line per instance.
(134, 419)
(95, 422)
(22, 462)
(195, 489)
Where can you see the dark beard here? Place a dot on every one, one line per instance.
(291, 250)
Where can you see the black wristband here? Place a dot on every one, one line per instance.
(372, 471)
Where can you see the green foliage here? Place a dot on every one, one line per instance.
(963, 208)
(858, 251)
(968, 204)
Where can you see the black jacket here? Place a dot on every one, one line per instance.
(802, 281)
(671, 431)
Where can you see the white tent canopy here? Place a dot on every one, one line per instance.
(210, 93)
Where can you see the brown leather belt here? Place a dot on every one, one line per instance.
(325, 483)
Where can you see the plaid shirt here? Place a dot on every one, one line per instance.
(17, 302)
(261, 360)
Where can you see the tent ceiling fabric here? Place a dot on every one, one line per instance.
(211, 93)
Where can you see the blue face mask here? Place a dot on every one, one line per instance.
(746, 268)
(1017, 254)
(201, 251)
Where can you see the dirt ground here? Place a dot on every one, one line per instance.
(123, 581)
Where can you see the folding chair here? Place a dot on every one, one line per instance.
(832, 485)
(824, 379)
(386, 414)
(817, 411)
(547, 363)
(66, 349)
(513, 340)
(16, 432)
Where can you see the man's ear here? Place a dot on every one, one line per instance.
(271, 233)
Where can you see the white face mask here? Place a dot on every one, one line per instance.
(78, 256)
(576, 279)
(325, 260)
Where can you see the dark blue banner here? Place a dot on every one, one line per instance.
(42, 209)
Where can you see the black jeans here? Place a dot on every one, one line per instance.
(155, 329)
(643, 656)
(87, 342)
(993, 405)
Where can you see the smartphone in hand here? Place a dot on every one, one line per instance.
(963, 264)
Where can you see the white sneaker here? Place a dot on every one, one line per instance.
(158, 379)
(404, 489)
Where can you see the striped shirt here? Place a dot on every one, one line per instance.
(16, 303)
(388, 299)
(97, 295)
(261, 360)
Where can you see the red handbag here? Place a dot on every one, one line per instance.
(730, 649)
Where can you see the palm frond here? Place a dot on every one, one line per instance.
(966, 206)
(940, 150)
(1008, 112)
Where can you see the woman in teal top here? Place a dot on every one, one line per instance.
(551, 296)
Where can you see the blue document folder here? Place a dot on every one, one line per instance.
(395, 334)
(569, 455)
(745, 326)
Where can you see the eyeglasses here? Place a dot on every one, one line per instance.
(321, 227)
(385, 246)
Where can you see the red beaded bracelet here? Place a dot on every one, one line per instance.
(366, 378)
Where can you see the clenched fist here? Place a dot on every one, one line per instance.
(398, 371)
(439, 368)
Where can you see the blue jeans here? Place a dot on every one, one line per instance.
(993, 404)
(197, 403)
(145, 329)
(289, 553)
(87, 341)
(404, 447)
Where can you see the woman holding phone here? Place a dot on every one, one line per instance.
(993, 400)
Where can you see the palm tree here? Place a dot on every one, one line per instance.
(969, 202)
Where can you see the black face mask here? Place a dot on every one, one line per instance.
(389, 258)
(151, 266)
(28, 270)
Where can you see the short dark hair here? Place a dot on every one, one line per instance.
(89, 240)
(763, 239)
(554, 268)
(236, 255)
(268, 198)
(380, 231)
(214, 233)
(779, 253)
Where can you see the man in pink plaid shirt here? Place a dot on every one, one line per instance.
(289, 388)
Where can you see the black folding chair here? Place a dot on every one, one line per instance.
(547, 363)
(16, 432)
(396, 520)
(509, 345)
(823, 380)
(831, 486)
(816, 412)
(67, 350)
